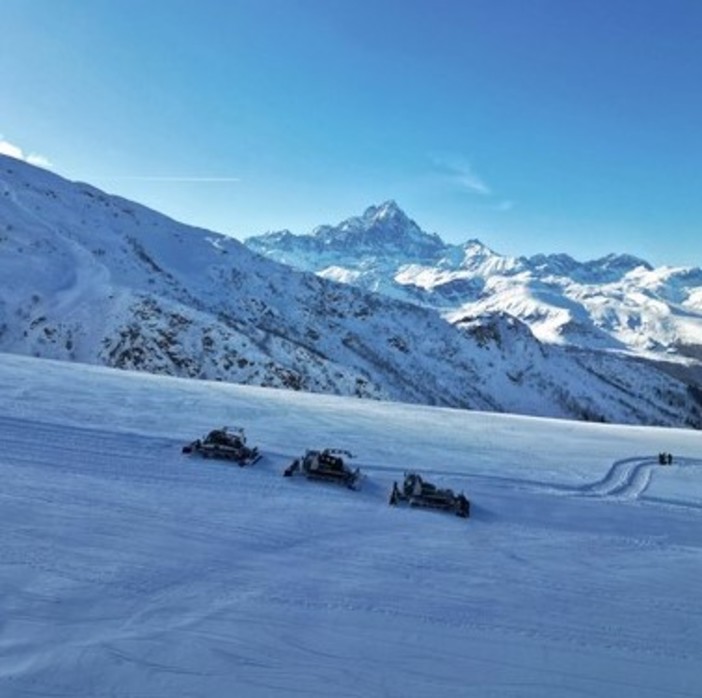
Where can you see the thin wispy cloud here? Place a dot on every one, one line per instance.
(461, 173)
(470, 181)
(505, 205)
(14, 151)
(169, 178)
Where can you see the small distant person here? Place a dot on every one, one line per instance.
(662, 458)
(669, 459)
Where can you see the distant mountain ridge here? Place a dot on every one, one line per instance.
(94, 278)
(385, 231)
(616, 302)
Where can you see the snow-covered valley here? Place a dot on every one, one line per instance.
(129, 569)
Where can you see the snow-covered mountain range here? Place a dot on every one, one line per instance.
(618, 302)
(94, 278)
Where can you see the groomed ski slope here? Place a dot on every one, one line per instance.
(128, 569)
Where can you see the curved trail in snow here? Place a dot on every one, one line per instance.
(626, 479)
(85, 278)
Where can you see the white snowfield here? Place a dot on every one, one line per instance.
(130, 569)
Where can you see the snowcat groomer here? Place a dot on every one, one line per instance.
(328, 464)
(226, 443)
(415, 492)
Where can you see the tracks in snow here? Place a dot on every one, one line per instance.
(131, 455)
(626, 479)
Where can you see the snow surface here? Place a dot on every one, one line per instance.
(129, 569)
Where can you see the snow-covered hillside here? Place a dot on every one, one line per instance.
(617, 302)
(94, 278)
(128, 569)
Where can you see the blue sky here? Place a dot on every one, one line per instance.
(536, 125)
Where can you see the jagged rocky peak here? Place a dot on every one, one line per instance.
(278, 234)
(606, 269)
(387, 211)
(475, 248)
(387, 217)
(621, 263)
(280, 239)
(382, 229)
(479, 258)
(560, 264)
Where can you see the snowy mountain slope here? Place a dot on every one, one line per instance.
(129, 570)
(113, 282)
(93, 278)
(617, 302)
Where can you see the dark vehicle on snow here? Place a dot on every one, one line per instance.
(415, 492)
(226, 443)
(329, 464)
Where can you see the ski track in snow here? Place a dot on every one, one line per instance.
(129, 569)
